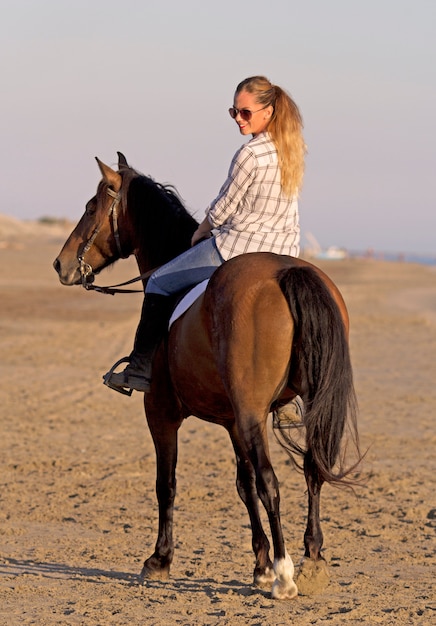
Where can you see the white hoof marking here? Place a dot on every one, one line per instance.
(284, 587)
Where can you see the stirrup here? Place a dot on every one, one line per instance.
(107, 376)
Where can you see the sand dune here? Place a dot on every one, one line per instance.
(14, 232)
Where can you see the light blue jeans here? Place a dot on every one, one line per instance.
(186, 270)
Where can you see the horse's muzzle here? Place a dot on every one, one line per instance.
(67, 275)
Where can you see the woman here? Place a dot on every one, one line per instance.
(256, 210)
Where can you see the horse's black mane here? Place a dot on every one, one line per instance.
(161, 222)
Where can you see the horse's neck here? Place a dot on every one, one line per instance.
(144, 266)
(147, 265)
(167, 231)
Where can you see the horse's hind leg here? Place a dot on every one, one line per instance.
(313, 575)
(254, 444)
(246, 486)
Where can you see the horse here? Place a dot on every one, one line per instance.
(267, 327)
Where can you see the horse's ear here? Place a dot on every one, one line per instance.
(122, 161)
(110, 176)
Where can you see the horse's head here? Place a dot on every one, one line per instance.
(98, 240)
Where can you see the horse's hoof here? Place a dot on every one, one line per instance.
(313, 577)
(154, 573)
(284, 587)
(265, 579)
(284, 592)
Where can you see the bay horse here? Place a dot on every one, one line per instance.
(267, 328)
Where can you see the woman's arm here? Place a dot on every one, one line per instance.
(241, 175)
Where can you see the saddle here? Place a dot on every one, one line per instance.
(187, 301)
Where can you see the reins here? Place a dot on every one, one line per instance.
(113, 289)
(86, 270)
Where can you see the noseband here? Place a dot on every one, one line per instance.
(86, 271)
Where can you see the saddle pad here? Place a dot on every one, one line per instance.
(188, 300)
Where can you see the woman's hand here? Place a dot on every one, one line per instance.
(202, 232)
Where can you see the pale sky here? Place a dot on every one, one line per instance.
(154, 79)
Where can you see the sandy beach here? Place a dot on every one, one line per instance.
(77, 483)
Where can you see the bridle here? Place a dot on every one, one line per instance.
(87, 273)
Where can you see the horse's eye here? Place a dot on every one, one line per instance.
(91, 208)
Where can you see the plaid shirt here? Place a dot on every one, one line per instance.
(251, 213)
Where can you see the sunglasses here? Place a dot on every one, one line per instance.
(246, 114)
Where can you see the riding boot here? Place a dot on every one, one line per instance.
(153, 325)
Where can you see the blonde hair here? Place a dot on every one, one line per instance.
(285, 128)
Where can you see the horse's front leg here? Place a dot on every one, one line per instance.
(246, 485)
(164, 435)
(313, 576)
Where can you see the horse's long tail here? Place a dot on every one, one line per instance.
(321, 364)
